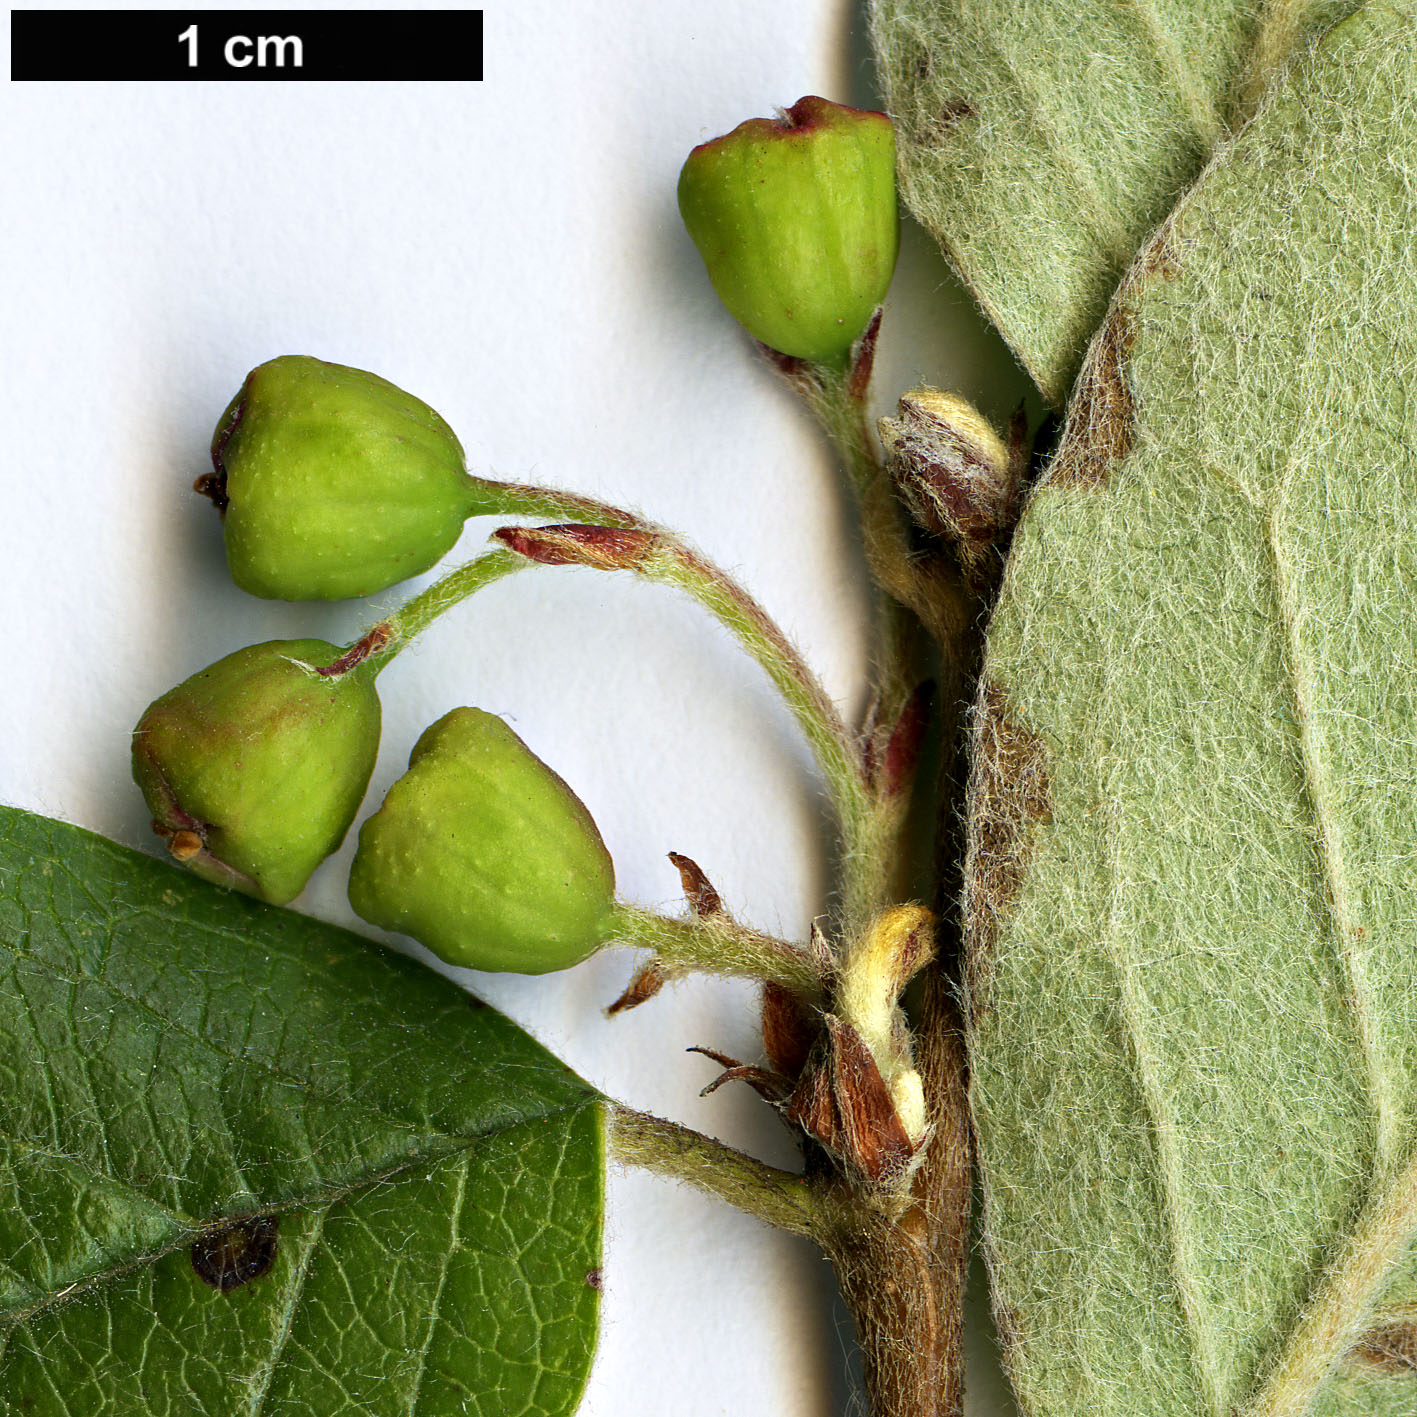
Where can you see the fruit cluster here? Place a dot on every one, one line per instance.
(332, 482)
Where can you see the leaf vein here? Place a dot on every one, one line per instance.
(454, 1244)
(286, 1320)
(1327, 847)
(1169, 1165)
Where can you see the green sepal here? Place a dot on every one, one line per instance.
(334, 482)
(796, 220)
(485, 855)
(264, 760)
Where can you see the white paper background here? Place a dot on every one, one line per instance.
(510, 251)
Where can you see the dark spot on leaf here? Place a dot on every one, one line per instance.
(1392, 1348)
(936, 126)
(1157, 258)
(953, 112)
(1008, 794)
(1101, 426)
(237, 1253)
(595, 1279)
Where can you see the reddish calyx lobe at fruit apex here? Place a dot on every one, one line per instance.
(795, 218)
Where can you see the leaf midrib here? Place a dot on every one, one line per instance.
(1161, 1128)
(322, 1198)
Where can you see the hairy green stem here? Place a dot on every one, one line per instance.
(378, 646)
(717, 944)
(840, 407)
(904, 1281)
(776, 1197)
(875, 851)
(395, 632)
(661, 557)
(518, 499)
(674, 564)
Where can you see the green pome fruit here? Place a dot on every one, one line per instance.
(484, 855)
(796, 220)
(254, 768)
(333, 482)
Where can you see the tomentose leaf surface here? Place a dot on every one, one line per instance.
(1192, 898)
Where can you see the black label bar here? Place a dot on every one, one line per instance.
(265, 45)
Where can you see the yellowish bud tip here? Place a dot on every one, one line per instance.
(899, 943)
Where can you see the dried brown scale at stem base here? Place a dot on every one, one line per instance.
(604, 548)
(365, 647)
(842, 1102)
(698, 889)
(647, 982)
(789, 1027)
(890, 750)
(903, 749)
(769, 1085)
(863, 360)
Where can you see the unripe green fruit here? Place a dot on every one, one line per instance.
(796, 220)
(254, 768)
(333, 482)
(484, 855)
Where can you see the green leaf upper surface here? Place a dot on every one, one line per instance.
(176, 1057)
(1040, 143)
(1192, 899)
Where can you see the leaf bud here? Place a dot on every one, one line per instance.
(485, 855)
(254, 767)
(333, 482)
(952, 470)
(898, 944)
(795, 217)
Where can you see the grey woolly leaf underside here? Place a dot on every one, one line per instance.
(400, 1191)
(1041, 143)
(1192, 899)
